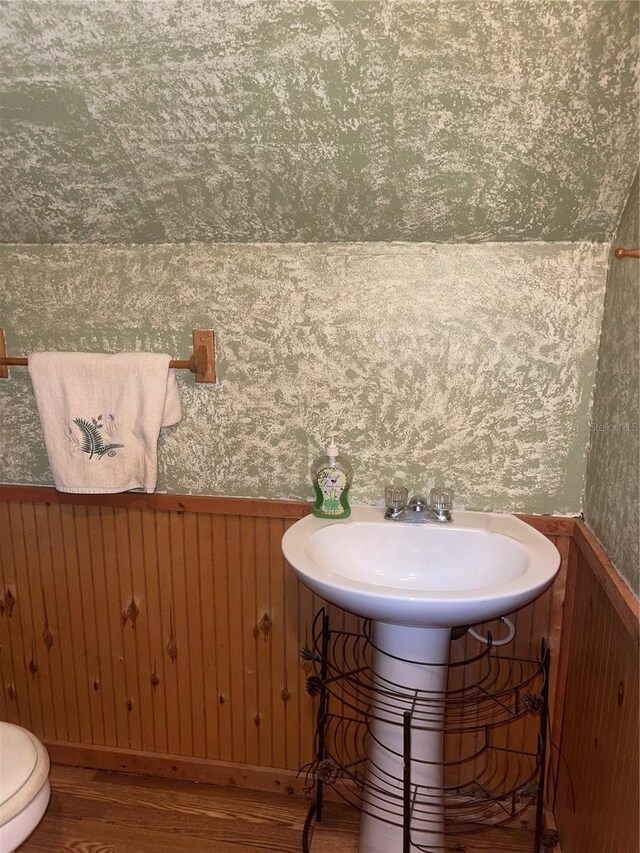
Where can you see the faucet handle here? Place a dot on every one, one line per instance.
(441, 499)
(396, 497)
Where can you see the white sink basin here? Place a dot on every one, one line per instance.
(479, 566)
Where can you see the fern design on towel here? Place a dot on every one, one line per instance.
(92, 442)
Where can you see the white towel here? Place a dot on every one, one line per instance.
(101, 417)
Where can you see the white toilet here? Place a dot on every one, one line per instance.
(24, 785)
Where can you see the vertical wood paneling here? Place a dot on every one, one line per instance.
(168, 651)
(41, 570)
(136, 606)
(280, 685)
(236, 639)
(174, 631)
(131, 697)
(155, 679)
(83, 598)
(596, 806)
(556, 606)
(116, 691)
(221, 628)
(194, 633)
(65, 625)
(179, 608)
(247, 591)
(292, 670)
(14, 681)
(103, 683)
(31, 696)
(265, 697)
(207, 638)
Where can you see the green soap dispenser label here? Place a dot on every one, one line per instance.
(331, 493)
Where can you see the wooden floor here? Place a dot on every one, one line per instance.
(339, 834)
(98, 812)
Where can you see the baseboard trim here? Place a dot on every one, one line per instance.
(550, 836)
(182, 767)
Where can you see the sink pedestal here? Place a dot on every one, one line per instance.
(399, 665)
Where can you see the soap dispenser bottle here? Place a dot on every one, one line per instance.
(331, 475)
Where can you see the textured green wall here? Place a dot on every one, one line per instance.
(168, 121)
(473, 363)
(612, 502)
(495, 124)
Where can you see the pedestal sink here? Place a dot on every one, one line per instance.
(416, 582)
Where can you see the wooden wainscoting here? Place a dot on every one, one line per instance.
(596, 803)
(161, 634)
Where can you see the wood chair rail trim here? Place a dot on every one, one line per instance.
(621, 597)
(220, 505)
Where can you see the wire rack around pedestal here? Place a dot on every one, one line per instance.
(494, 784)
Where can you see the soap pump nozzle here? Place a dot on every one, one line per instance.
(332, 449)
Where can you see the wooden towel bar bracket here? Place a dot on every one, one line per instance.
(202, 363)
(627, 253)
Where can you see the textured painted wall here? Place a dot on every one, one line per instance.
(244, 120)
(612, 502)
(473, 364)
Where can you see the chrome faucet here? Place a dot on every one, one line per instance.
(418, 510)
